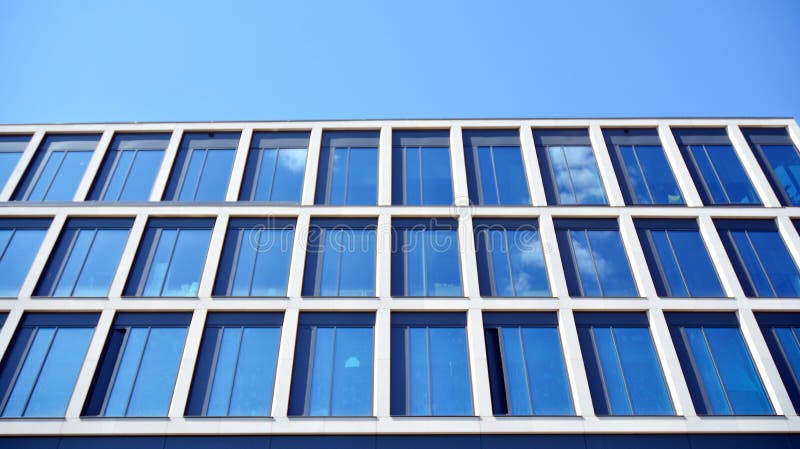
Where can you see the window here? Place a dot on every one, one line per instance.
(760, 258)
(332, 374)
(20, 239)
(170, 258)
(57, 168)
(642, 168)
(526, 364)
(202, 168)
(348, 168)
(235, 371)
(42, 363)
(85, 258)
(625, 376)
(510, 258)
(717, 171)
(276, 165)
(569, 170)
(594, 259)
(340, 258)
(425, 258)
(256, 257)
(779, 160)
(782, 332)
(716, 363)
(130, 167)
(430, 366)
(11, 148)
(421, 173)
(136, 373)
(678, 259)
(495, 171)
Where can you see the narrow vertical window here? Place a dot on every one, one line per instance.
(510, 258)
(57, 168)
(170, 258)
(594, 259)
(527, 374)
(130, 167)
(332, 374)
(276, 164)
(430, 366)
(716, 363)
(421, 174)
(678, 259)
(41, 365)
(625, 376)
(759, 255)
(85, 258)
(495, 171)
(20, 239)
(425, 258)
(340, 259)
(255, 257)
(235, 371)
(348, 168)
(569, 169)
(11, 148)
(716, 169)
(202, 168)
(642, 168)
(779, 159)
(781, 331)
(137, 371)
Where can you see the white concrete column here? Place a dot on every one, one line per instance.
(552, 258)
(22, 165)
(183, 381)
(93, 166)
(682, 175)
(9, 327)
(206, 287)
(239, 163)
(459, 167)
(299, 246)
(135, 236)
(385, 167)
(43, 253)
(727, 275)
(532, 169)
(637, 261)
(479, 367)
(383, 256)
(160, 183)
(466, 251)
(283, 372)
(752, 168)
(790, 237)
(312, 166)
(89, 367)
(382, 386)
(605, 166)
(670, 364)
(579, 383)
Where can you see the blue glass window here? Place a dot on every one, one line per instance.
(779, 159)
(275, 168)
(85, 258)
(526, 364)
(42, 363)
(348, 168)
(170, 258)
(255, 258)
(782, 334)
(569, 169)
(332, 374)
(716, 363)
(625, 376)
(717, 171)
(202, 169)
(510, 258)
(57, 168)
(421, 172)
(130, 167)
(20, 240)
(642, 168)
(430, 366)
(760, 257)
(235, 370)
(137, 370)
(340, 258)
(495, 171)
(678, 259)
(594, 259)
(11, 148)
(425, 258)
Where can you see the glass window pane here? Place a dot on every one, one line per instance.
(155, 379)
(265, 183)
(584, 259)
(511, 181)
(338, 176)
(362, 177)
(714, 395)
(49, 171)
(123, 160)
(611, 263)
(785, 163)
(612, 372)
(288, 183)
(271, 273)
(412, 172)
(26, 379)
(442, 264)
(777, 262)
(8, 161)
(695, 263)
(194, 171)
(633, 170)
(352, 373)
(643, 376)
(255, 372)
(731, 173)
(245, 263)
(672, 273)
(225, 369)
(546, 371)
(419, 372)
(75, 261)
(16, 257)
(186, 266)
(501, 269)
(790, 349)
(65, 182)
(437, 187)
(752, 264)
(213, 183)
(319, 402)
(414, 248)
(658, 175)
(357, 277)
(451, 393)
(527, 263)
(516, 375)
(101, 263)
(563, 177)
(125, 375)
(488, 180)
(142, 174)
(584, 176)
(160, 262)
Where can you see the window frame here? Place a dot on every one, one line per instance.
(108, 168)
(421, 140)
(15, 224)
(261, 142)
(183, 159)
(332, 140)
(400, 256)
(756, 137)
(768, 322)
(563, 137)
(13, 144)
(473, 140)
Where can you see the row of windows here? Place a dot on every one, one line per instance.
(421, 174)
(341, 256)
(332, 375)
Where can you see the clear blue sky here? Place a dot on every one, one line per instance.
(145, 60)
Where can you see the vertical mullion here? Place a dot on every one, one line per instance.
(429, 385)
(494, 172)
(333, 367)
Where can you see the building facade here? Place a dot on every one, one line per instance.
(560, 283)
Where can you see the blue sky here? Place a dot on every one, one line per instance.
(145, 60)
